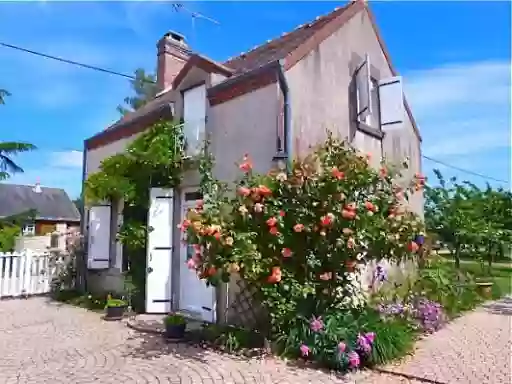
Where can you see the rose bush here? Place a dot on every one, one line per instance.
(301, 237)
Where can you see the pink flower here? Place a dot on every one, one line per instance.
(286, 252)
(244, 191)
(342, 347)
(246, 166)
(298, 227)
(326, 276)
(191, 264)
(304, 350)
(274, 231)
(364, 344)
(353, 359)
(271, 221)
(258, 207)
(316, 324)
(370, 336)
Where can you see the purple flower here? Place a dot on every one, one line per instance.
(342, 347)
(316, 324)
(304, 350)
(364, 344)
(353, 359)
(380, 273)
(370, 336)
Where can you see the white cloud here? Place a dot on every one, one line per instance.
(462, 108)
(66, 159)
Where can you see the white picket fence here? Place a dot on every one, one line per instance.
(26, 273)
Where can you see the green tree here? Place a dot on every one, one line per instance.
(3, 94)
(145, 89)
(8, 149)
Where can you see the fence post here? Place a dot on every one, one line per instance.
(27, 272)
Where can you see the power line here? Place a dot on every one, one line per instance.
(464, 170)
(111, 72)
(68, 61)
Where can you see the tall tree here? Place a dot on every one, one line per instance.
(8, 149)
(3, 94)
(145, 89)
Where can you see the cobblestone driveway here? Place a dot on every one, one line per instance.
(43, 342)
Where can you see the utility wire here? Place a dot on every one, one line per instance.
(115, 73)
(464, 170)
(67, 61)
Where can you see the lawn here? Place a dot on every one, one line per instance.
(501, 275)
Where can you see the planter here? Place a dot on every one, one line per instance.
(114, 313)
(350, 265)
(175, 331)
(484, 289)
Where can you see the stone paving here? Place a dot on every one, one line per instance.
(44, 342)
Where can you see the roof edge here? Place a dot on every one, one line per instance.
(128, 128)
(392, 69)
(345, 14)
(203, 63)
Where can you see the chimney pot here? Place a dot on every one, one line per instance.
(173, 53)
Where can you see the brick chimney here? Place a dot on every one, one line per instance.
(173, 53)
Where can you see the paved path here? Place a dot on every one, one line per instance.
(42, 342)
(473, 349)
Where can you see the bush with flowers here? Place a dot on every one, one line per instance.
(300, 237)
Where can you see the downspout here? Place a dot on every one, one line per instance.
(285, 154)
(82, 274)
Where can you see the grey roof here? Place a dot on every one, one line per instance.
(50, 203)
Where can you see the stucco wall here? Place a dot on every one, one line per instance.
(321, 96)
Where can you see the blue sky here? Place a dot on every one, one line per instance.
(454, 56)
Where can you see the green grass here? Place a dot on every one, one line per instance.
(500, 275)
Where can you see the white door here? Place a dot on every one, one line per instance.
(98, 252)
(159, 251)
(196, 298)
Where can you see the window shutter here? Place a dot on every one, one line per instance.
(98, 255)
(391, 103)
(362, 76)
(194, 116)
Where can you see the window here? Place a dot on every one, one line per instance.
(29, 230)
(379, 102)
(373, 118)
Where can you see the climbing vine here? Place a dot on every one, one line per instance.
(154, 159)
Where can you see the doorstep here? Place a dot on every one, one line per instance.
(155, 323)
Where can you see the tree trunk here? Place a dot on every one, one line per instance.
(457, 256)
(489, 257)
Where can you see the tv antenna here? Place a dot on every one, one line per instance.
(179, 7)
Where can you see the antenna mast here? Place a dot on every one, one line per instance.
(179, 8)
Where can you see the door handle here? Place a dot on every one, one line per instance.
(150, 269)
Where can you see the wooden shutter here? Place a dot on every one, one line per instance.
(391, 103)
(159, 251)
(98, 255)
(362, 77)
(194, 116)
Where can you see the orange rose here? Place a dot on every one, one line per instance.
(336, 173)
(286, 252)
(274, 231)
(264, 191)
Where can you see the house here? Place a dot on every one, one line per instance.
(53, 212)
(272, 102)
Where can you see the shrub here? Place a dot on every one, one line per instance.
(300, 237)
(343, 340)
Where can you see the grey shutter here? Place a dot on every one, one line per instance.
(391, 103)
(362, 76)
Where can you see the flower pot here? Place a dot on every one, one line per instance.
(350, 265)
(484, 289)
(175, 331)
(114, 313)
